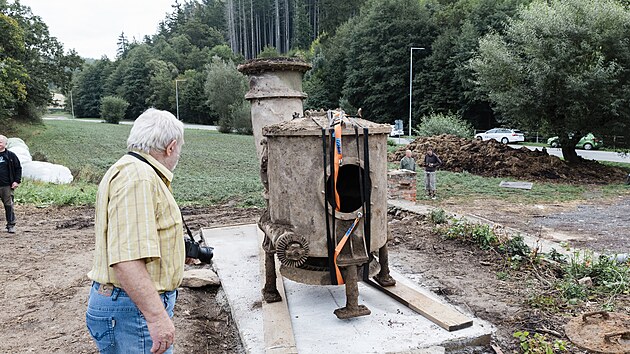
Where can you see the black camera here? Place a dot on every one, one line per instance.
(202, 253)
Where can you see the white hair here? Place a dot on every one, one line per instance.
(4, 138)
(154, 130)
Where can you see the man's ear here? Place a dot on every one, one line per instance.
(170, 148)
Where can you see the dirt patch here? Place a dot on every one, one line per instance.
(597, 224)
(45, 287)
(491, 158)
(485, 283)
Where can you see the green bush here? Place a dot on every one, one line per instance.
(242, 121)
(113, 109)
(439, 123)
(269, 52)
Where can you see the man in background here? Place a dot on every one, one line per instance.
(407, 162)
(431, 163)
(10, 179)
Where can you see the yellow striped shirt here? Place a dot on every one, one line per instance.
(138, 218)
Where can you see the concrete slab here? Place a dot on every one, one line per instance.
(391, 328)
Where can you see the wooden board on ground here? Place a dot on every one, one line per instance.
(517, 185)
(438, 313)
(277, 328)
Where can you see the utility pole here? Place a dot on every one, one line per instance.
(177, 96)
(71, 104)
(411, 81)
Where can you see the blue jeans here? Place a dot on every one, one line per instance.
(115, 322)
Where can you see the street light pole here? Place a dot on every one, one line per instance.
(71, 104)
(411, 81)
(177, 96)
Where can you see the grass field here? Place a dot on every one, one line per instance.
(217, 168)
(213, 168)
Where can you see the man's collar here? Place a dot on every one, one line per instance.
(165, 172)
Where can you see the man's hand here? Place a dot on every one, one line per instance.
(162, 333)
(14, 185)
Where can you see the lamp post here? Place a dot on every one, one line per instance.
(71, 104)
(177, 96)
(411, 81)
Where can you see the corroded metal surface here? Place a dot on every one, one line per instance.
(352, 308)
(601, 332)
(257, 66)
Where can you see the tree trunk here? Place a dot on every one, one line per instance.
(570, 155)
(277, 34)
(251, 26)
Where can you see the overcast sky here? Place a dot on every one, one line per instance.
(92, 27)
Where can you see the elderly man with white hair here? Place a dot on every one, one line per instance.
(140, 254)
(10, 179)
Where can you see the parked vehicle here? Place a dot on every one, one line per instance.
(588, 142)
(396, 132)
(503, 135)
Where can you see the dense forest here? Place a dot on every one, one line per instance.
(361, 55)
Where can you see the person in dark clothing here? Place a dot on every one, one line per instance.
(431, 163)
(10, 179)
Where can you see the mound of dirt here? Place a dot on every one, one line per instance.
(493, 159)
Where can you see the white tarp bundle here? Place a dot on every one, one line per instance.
(38, 170)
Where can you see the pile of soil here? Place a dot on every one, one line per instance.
(491, 158)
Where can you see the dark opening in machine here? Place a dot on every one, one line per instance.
(348, 187)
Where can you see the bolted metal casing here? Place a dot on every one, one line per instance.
(297, 183)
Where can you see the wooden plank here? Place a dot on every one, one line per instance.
(438, 313)
(277, 328)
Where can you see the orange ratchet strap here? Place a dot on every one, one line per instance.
(338, 162)
(340, 246)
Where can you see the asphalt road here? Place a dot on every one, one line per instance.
(186, 125)
(587, 154)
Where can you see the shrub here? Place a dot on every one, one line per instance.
(438, 216)
(269, 52)
(439, 123)
(242, 119)
(113, 109)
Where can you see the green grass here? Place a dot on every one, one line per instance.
(468, 187)
(213, 168)
(216, 168)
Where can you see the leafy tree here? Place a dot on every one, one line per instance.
(561, 66)
(13, 76)
(324, 82)
(122, 45)
(161, 84)
(225, 89)
(193, 102)
(113, 109)
(136, 81)
(42, 59)
(89, 87)
(440, 123)
(378, 56)
(268, 52)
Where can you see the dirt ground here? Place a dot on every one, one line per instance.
(45, 288)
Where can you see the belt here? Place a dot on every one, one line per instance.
(108, 289)
(111, 290)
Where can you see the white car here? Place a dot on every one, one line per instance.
(503, 135)
(396, 132)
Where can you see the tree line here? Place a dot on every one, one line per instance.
(558, 66)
